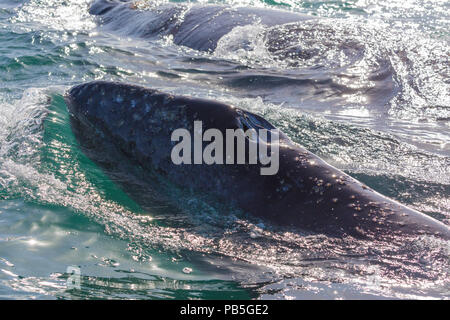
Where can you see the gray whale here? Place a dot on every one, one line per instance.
(307, 192)
(198, 27)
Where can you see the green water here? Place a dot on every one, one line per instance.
(58, 209)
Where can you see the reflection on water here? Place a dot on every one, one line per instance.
(365, 86)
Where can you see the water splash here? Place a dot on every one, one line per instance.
(41, 164)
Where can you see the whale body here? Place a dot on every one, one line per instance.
(198, 27)
(306, 192)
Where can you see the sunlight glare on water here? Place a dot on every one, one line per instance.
(368, 92)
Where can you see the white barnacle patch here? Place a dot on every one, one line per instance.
(187, 270)
(119, 98)
(133, 104)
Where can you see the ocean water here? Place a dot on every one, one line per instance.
(371, 97)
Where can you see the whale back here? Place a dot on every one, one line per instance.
(140, 121)
(306, 192)
(198, 27)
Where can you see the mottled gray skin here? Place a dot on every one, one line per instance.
(198, 27)
(306, 192)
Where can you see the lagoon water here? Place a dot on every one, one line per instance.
(371, 95)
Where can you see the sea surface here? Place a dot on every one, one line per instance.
(372, 98)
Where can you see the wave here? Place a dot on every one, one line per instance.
(385, 80)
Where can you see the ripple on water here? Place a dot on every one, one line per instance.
(58, 209)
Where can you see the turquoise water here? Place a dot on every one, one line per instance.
(374, 101)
